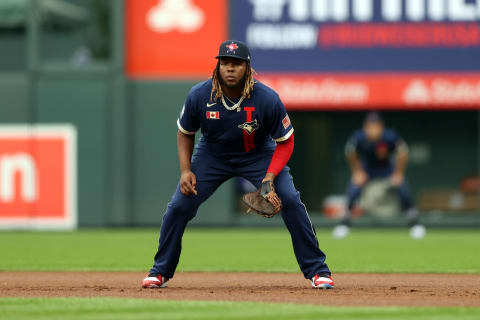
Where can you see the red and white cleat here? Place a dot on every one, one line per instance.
(154, 281)
(322, 281)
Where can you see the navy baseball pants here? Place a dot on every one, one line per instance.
(211, 171)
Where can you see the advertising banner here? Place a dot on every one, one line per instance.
(367, 46)
(38, 176)
(376, 91)
(173, 38)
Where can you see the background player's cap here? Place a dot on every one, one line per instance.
(373, 117)
(234, 49)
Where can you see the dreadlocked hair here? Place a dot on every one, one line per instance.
(217, 91)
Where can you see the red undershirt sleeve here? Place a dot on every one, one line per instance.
(282, 154)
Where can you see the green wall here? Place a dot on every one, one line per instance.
(82, 103)
(14, 95)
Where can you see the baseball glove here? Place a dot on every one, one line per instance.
(264, 201)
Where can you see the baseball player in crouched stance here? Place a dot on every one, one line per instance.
(375, 152)
(246, 132)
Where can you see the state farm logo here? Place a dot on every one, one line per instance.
(170, 15)
(442, 91)
(417, 93)
(313, 91)
(173, 38)
(37, 176)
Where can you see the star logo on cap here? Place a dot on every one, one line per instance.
(232, 47)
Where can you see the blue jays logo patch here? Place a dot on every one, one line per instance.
(250, 126)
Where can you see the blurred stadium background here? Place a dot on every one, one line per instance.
(90, 91)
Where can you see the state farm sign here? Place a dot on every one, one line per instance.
(336, 91)
(38, 176)
(173, 38)
(443, 91)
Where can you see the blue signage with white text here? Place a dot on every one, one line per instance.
(318, 36)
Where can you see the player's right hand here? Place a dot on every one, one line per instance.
(188, 183)
(359, 177)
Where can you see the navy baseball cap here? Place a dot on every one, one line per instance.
(234, 49)
(373, 117)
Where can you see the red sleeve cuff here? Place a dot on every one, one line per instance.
(282, 154)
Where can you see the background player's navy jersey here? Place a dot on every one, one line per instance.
(376, 156)
(231, 132)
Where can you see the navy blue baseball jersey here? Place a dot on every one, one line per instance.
(376, 155)
(255, 125)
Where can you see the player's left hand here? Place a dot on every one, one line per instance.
(396, 179)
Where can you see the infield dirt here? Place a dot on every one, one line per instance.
(351, 289)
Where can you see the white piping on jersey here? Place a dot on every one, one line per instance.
(235, 106)
(183, 130)
(285, 137)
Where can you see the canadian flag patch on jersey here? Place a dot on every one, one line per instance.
(286, 122)
(213, 115)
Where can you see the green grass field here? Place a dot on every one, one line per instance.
(263, 250)
(118, 309)
(266, 250)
